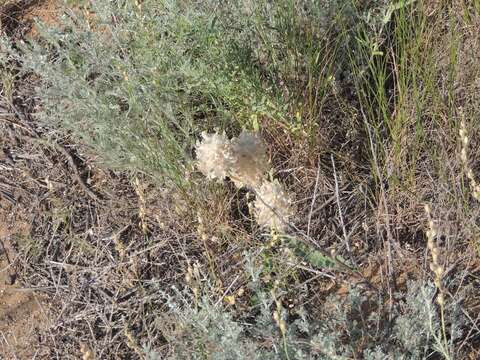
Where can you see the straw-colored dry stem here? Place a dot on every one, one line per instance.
(466, 166)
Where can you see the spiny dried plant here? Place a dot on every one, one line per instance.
(273, 206)
(250, 160)
(214, 158)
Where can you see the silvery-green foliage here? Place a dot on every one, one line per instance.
(206, 330)
(378, 354)
(123, 81)
(418, 326)
(418, 320)
(350, 327)
(151, 354)
(139, 83)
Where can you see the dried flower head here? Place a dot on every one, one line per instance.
(250, 160)
(214, 156)
(273, 206)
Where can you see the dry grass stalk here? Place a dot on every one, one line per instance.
(437, 269)
(192, 280)
(464, 157)
(132, 343)
(142, 204)
(277, 317)
(435, 265)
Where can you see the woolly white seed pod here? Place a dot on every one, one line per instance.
(250, 160)
(214, 156)
(272, 206)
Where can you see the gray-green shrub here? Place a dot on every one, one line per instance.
(139, 82)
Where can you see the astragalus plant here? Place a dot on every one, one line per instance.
(214, 156)
(245, 161)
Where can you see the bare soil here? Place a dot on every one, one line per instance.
(22, 314)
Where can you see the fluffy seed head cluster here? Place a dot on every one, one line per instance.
(464, 157)
(272, 206)
(245, 161)
(250, 160)
(214, 156)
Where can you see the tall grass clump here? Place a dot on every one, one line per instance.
(417, 93)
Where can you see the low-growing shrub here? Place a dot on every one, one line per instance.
(357, 326)
(140, 81)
